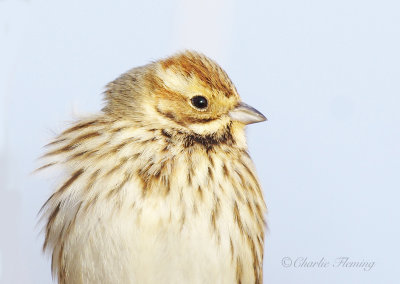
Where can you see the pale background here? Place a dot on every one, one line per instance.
(325, 73)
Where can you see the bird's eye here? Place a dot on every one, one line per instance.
(199, 102)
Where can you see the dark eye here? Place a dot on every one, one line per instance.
(199, 102)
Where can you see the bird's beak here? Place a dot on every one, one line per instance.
(246, 114)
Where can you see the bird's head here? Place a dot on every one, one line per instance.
(187, 92)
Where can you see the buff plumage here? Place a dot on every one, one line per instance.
(154, 189)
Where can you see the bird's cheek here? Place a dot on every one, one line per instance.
(211, 126)
(166, 111)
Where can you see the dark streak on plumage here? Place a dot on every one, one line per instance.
(165, 133)
(210, 159)
(225, 170)
(190, 173)
(61, 150)
(78, 155)
(118, 147)
(86, 153)
(73, 144)
(253, 177)
(198, 120)
(210, 174)
(158, 172)
(92, 180)
(45, 166)
(200, 192)
(239, 270)
(238, 194)
(80, 126)
(238, 219)
(71, 224)
(86, 136)
(121, 163)
(249, 207)
(50, 222)
(47, 202)
(55, 142)
(256, 266)
(117, 188)
(168, 182)
(214, 216)
(62, 269)
(209, 140)
(260, 213)
(70, 180)
(118, 129)
(232, 249)
(168, 115)
(91, 202)
(242, 180)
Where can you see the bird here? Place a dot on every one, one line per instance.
(158, 186)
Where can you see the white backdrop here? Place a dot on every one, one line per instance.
(325, 73)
